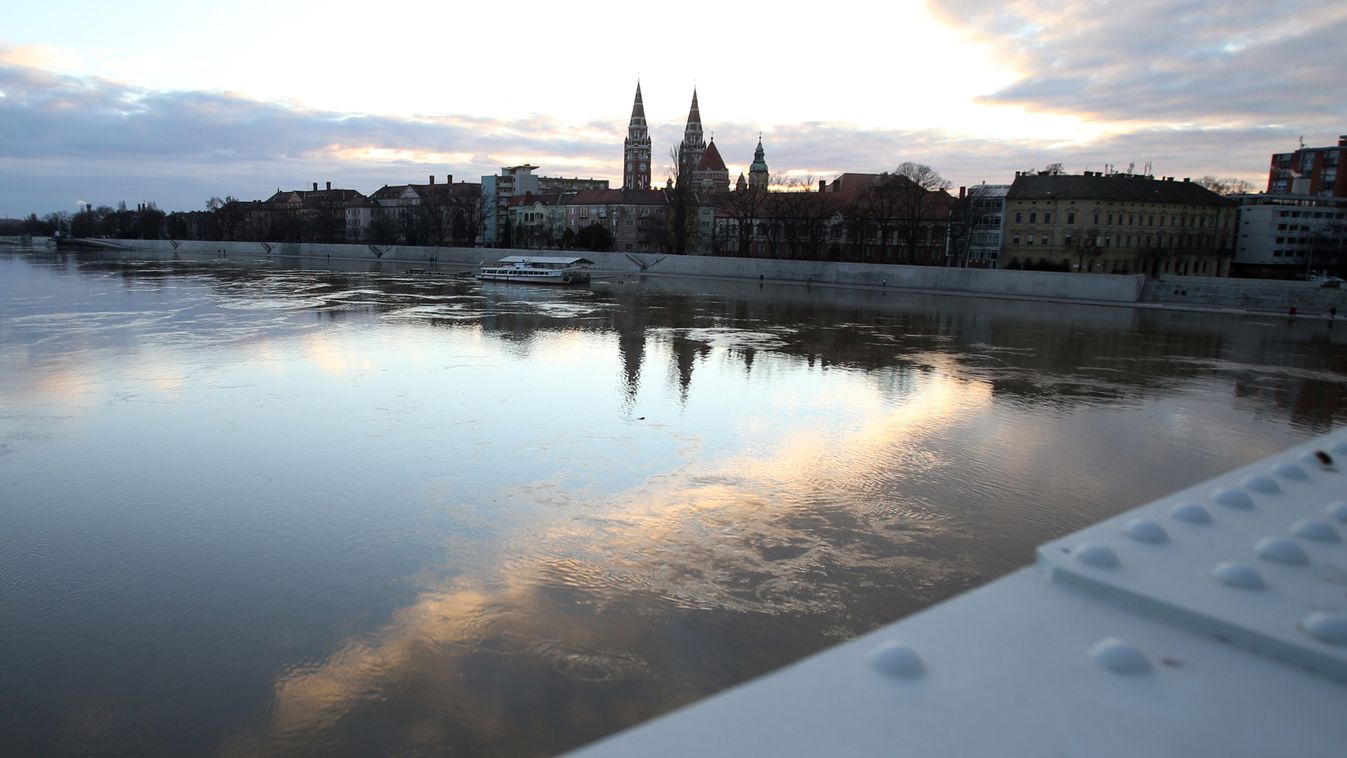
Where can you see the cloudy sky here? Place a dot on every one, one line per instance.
(174, 101)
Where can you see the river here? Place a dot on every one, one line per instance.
(258, 507)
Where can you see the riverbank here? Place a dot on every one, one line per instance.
(1198, 294)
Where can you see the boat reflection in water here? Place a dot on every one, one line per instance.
(538, 270)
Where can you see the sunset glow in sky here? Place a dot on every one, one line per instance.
(174, 102)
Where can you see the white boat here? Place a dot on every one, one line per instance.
(538, 270)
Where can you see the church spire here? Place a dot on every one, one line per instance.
(693, 145)
(694, 116)
(757, 173)
(636, 148)
(637, 110)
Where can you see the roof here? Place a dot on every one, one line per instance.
(1128, 187)
(528, 198)
(618, 197)
(849, 186)
(711, 160)
(552, 259)
(389, 191)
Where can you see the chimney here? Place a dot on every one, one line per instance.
(432, 180)
(448, 178)
(329, 185)
(822, 183)
(1342, 140)
(1187, 179)
(315, 186)
(963, 192)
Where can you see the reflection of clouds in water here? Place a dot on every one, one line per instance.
(796, 528)
(1279, 372)
(445, 312)
(728, 338)
(269, 304)
(553, 309)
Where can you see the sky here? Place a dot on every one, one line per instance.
(176, 102)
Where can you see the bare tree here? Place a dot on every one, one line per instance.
(1084, 246)
(682, 230)
(744, 209)
(471, 211)
(922, 199)
(799, 214)
(880, 209)
(1227, 185)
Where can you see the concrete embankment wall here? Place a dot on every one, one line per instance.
(24, 240)
(1261, 294)
(1270, 294)
(1108, 288)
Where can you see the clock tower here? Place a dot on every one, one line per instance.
(636, 154)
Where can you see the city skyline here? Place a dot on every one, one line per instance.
(175, 103)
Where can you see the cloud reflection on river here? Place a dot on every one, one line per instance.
(631, 589)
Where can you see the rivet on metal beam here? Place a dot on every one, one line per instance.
(1281, 550)
(1290, 471)
(1262, 484)
(1191, 513)
(1239, 575)
(1098, 556)
(1120, 656)
(1314, 529)
(1232, 498)
(1326, 626)
(1145, 530)
(1337, 510)
(897, 660)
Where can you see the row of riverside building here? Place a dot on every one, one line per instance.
(1100, 222)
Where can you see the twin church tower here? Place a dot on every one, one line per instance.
(699, 160)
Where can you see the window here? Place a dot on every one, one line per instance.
(1110, 219)
(1047, 218)
(1019, 217)
(1033, 218)
(1043, 239)
(1014, 239)
(1071, 217)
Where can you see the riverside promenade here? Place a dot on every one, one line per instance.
(1188, 293)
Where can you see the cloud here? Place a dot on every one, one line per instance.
(1242, 62)
(1205, 92)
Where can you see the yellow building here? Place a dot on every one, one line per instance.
(1116, 223)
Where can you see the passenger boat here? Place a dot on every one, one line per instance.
(537, 270)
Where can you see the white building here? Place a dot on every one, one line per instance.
(986, 222)
(1289, 236)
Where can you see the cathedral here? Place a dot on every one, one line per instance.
(699, 160)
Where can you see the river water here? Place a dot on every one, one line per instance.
(260, 508)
